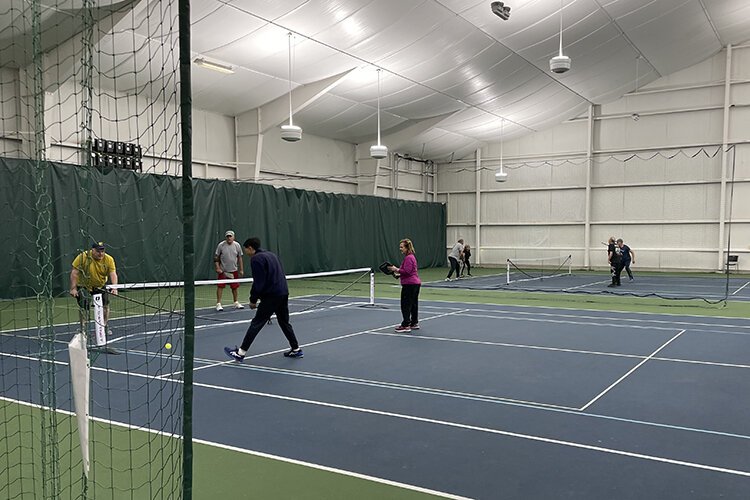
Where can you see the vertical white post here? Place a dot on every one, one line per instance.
(372, 288)
(478, 207)
(724, 159)
(101, 334)
(507, 271)
(589, 168)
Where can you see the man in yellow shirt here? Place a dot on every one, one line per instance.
(89, 276)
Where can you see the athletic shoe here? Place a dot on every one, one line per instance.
(611, 285)
(232, 353)
(447, 279)
(415, 327)
(237, 305)
(630, 279)
(294, 353)
(403, 329)
(218, 307)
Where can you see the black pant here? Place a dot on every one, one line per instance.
(410, 304)
(617, 268)
(267, 307)
(466, 268)
(626, 265)
(454, 267)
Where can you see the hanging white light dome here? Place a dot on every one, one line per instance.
(378, 151)
(560, 63)
(290, 132)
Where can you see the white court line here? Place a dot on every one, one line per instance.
(231, 361)
(249, 452)
(499, 432)
(585, 285)
(401, 387)
(631, 371)
(503, 402)
(334, 470)
(740, 288)
(571, 322)
(625, 319)
(167, 331)
(505, 344)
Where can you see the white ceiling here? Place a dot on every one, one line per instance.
(451, 68)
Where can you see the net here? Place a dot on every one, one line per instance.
(311, 291)
(88, 107)
(520, 270)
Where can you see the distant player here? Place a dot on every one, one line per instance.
(628, 257)
(228, 263)
(270, 295)
(454, 257)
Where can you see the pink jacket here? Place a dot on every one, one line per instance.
(408, 271)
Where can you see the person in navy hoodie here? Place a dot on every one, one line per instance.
(410, 285)
(270, 288)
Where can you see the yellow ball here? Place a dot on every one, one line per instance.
(168, 345)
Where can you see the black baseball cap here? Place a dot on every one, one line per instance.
(99, 245)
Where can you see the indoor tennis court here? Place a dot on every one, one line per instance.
(530, 401)
(560, 188)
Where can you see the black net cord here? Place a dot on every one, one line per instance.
(188, 249)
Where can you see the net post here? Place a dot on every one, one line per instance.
(507, 271)
(570, 264)
(99, 327)
(372, 287)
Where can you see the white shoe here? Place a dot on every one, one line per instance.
(237, 305)
(218, 307)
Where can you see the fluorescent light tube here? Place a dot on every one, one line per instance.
(221, 68)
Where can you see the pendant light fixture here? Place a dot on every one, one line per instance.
(290, 132)
(500, 175)
(560, 63)
(378, 151)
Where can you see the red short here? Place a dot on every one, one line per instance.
(233, 286)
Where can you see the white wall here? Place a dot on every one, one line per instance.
(667, 208)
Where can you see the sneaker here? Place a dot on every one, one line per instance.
(403, 329)
(447, 279)
(415, 327)
(611, 285)
(294, 353)
(630, 279)
(232, 353)
(237, 305)
(218, 307)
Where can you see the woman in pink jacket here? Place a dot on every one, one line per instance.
(410, 285)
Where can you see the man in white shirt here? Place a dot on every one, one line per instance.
(454, 257)
(228, 262)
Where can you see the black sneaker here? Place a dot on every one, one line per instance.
(234, 354)
(294, 353)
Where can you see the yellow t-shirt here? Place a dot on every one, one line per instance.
(93, 273)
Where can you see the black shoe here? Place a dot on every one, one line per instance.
(611, 285)
(294, 353)
(232, 353)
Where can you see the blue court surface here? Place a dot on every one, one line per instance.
(483, 401)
